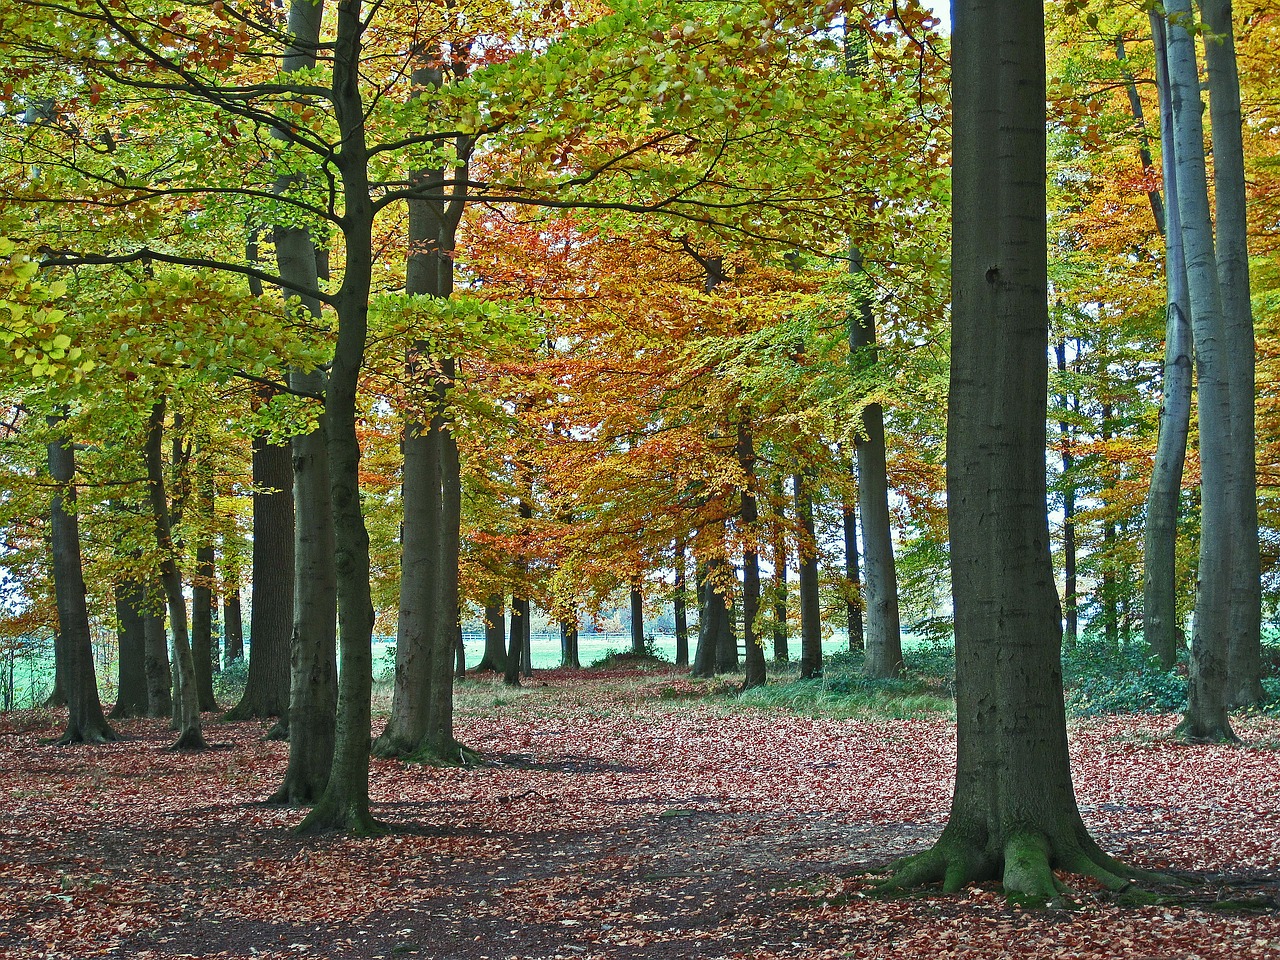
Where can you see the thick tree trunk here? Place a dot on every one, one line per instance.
(158, 670)
(810, 609)
(679, 611)
(131, 689)
(85, 720)
(710, 609)
(266, 692)
(186, 699)
(726, 623)
(232, 623)
(1244, 679)
(495, 631)
(748, 512)
(1206, 717)
(1013, 814)
(569, 645)
(516, 647)
(1160, 533)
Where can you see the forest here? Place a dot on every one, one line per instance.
(904, 388)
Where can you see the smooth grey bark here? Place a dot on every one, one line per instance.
(131, 685)
(1244, 664)
(1160, 532)
(516, 648)
(1071, 590)
(749, 514)
(1013, 812)
(495, 630)
(156, 652)
(345, 802)
(781, 653)
(421, 722)
(313, 673)
(1206, 717)
(637, 620)
(266, 692)
(204, 647)
(883, 627)
(232, 622)
(853, 576)
(678, 605)
(810, 609)
(186, 698)
(86, 722)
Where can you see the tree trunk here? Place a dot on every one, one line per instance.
(569, 645)
(515, 650)
(1070, 602)
(781, 653)
(810, 608)
(1013, 813)
(159, 672)
(204, 648)
(495, 630)
(748, 512)
(85, 720)
(726, 624)
(1160, 533)
(186, 699)
(853, 577)
(880, 577)
(271, 599)
(637, 621)
(131, 690)
(678, 609)
(232, 623)
(709, 607)
(1244, 666)
(1206, 717)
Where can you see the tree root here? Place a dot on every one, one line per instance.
(1025, 865)
(353, 819)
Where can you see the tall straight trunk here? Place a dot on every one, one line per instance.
(186, 699)
(781, 653)
(1070, 600)
(1144, 140)
(1244, 665)
(637, 620)
(131, 688)
(853, 577)
(204, 647)
(1160, 533)
(710, 610)
(86, 722)
(1013, 812)
(232, 622)
(495, 630)
(526, 641)
(266, 692)
(880, 576)
(1206, 717)
(753, 647)
(156, 652)
(1110, 592)
(726, 624)
(679, 612)
(810, 609)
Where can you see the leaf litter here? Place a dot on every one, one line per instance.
(615, 817)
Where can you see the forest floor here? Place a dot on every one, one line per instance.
(616, 817)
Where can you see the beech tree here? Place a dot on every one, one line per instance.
(1013, 812)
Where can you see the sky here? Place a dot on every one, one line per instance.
(942, 10)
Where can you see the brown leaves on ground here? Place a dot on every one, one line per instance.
(611, 821)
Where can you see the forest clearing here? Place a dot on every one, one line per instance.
(616, 815)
